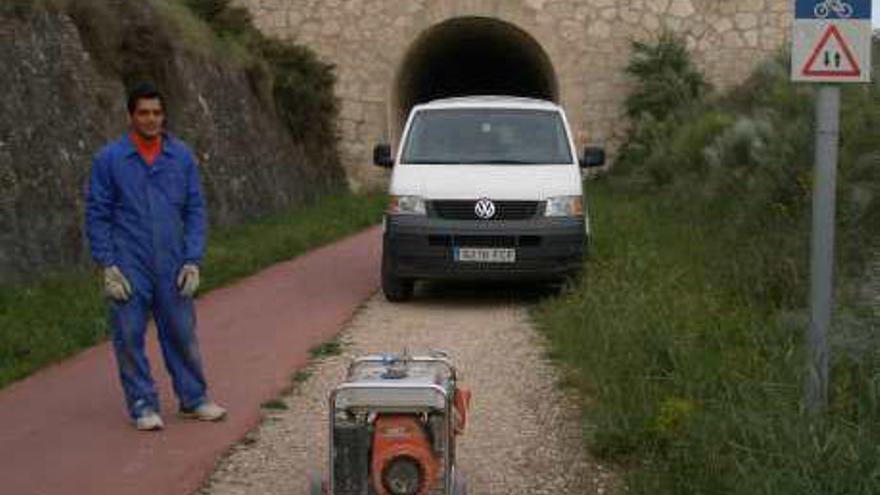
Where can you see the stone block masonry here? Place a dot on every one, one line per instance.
(579, 47)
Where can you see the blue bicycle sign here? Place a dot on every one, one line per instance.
(830, 10)
(831, 41)
(838, 7)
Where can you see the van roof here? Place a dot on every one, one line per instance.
(489, 101)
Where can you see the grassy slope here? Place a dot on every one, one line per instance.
(65, 313)
(686, 335)
(690, 380)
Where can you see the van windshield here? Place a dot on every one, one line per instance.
(487, 136)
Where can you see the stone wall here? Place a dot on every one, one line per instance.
(60, 104)
(586, 41)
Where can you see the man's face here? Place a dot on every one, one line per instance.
(147, 118)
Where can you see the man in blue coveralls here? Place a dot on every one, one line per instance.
(145, 220)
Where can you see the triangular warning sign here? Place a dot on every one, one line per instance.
(832, 57)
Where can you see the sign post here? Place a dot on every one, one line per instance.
(822, 246)
(831, 44)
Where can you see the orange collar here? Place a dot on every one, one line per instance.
(148, 150)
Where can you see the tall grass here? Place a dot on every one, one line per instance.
(63, 314)
(745, 159)
(686, 335)
(691, 383)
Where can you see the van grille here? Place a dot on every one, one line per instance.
(464, 210)
(486, 241)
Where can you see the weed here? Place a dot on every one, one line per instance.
(686, 334)
(275, 404)
(301, 376)
(326, 349)
(690, 379)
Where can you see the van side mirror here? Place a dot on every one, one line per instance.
(594, 156)
(382, 156)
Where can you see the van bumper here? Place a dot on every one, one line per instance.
(417, 247)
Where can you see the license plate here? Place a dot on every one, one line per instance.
(485, 255)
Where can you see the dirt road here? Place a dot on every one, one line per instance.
(524, 436)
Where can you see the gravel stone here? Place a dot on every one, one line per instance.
(524, 435)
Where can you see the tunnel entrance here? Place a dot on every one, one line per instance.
(472, 56)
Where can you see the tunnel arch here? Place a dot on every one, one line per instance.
(467, 56)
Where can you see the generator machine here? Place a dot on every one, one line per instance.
(393, 428)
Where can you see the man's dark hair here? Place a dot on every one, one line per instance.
(143, 91)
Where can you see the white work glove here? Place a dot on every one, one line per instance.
(188, 280)
(116, 286)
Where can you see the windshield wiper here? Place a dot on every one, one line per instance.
(433, 162)
(504, 162)
(471, 162)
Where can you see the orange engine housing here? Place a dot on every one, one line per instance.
(402, 438)
(461, 401)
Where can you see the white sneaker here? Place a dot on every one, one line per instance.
(149, 421)
(208, 411)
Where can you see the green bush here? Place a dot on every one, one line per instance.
(659, 153)
(666, 78)
(669, 95)
(743, 161)
(303, 90)
(299, 85)
(687, 333)
(226, 20)
(691, 142)
(692, 379)
(17, 8)
(208, 9)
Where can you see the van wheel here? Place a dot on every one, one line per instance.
(396, 289)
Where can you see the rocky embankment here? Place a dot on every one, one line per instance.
(64, 77)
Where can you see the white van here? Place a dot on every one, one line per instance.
(484, 187)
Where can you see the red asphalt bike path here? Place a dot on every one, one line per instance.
(64, 430)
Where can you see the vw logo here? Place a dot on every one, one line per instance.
(484, 209)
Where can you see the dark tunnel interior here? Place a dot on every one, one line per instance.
(473, 56)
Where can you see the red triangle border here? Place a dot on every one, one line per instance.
(832, 31)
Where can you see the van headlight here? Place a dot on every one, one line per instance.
(565, 206)
(406, 205)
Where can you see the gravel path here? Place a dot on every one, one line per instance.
(524, 436)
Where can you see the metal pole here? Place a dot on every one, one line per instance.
(822, 261)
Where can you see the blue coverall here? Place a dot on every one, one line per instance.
(149, 220)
